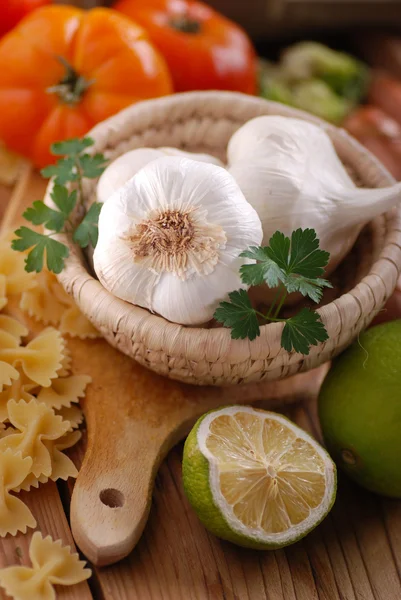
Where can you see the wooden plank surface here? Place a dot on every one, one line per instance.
(44, 502)
(355, 554)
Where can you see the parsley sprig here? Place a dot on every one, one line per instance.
(73, 167)
(293, 264)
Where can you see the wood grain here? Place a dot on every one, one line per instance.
(44, 502)
(355, 554)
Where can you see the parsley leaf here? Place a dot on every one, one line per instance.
(64, 201)
(307, 287)
(293, 264)
(306, 258)
(40, 214)
(87, 231)
(278, 250)
(302, 331)
(71, 147)
(297, 262)
(56, 252)
(92, 166)
(239, 315)
(75, 165)
(267, 270)
(63, 171)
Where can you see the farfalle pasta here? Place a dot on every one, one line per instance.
(64, 391)
(52, 564)
(61, 394)
(39, 416)
(21, 388)
(35, 423)
(40, 359)
(14, 514)
(7, 374)
(3, 290)
(13, 277)
(62, 466)
(65, 363)
(73, 414)
(49, 303)
(11, 332)
(40, 302)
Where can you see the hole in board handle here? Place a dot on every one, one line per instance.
(112, 498)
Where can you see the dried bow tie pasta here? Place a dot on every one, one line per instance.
(170, 239)
(62, 466)
(21, 388)
(13, 277)
(40, 358)
(7, 374)
(35, 423)
(65, 368)
(14, 514)
(40, 302)
(49, 303)
(14, 327)
(53, 564)
(3, 289)
(64, 391)
(72, 414)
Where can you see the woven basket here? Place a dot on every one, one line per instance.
(204, 122)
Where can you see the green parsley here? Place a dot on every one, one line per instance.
(293, 264)
(75, 165)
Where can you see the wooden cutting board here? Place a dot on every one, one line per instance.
(354, 555)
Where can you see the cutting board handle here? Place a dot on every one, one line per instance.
(112, 496)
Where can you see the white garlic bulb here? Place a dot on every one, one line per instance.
(170, 239)
(289, 171)
(125, 166)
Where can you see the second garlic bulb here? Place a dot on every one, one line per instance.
(125, 166)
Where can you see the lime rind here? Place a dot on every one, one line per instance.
(200, 479)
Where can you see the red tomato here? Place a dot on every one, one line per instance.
(13, 11)
(203, 49)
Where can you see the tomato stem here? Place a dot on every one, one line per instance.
(72, 86)
(185, 24)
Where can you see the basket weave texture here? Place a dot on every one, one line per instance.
(204, 122)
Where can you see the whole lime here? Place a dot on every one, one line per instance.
(360, 410)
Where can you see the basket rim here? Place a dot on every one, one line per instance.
(78, 281)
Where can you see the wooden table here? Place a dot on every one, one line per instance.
(355, 554)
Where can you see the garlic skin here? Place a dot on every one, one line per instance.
(125, 166)
(170, 239)
(289, 171)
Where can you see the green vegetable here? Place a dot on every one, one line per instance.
(318, 98)
(315, 78)
(344, 74)
(292, 265)
(76, 165)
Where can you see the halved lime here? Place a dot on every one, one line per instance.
(256, 479)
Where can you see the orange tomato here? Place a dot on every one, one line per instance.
(62, 70)
(203, 49)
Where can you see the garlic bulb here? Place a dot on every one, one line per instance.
(289, 171)
(125, 166)
(170, 239)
